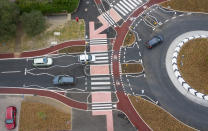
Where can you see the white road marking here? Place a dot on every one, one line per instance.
(101, 54)
(25, 71)
(7, 72)
(107, 18)
(120, 10)
(136, 2)
(100, 78)
(101, 58)
(104, 61)
(100, 87)
(121, 7)
(101, 104)
(125, 6)
(101, 108)
(132, 3)
(125, 1)
(101, 83)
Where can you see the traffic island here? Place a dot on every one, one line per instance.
(40, 113)
(192, 62)
(129, 39)
(131, 68)
(157, 118)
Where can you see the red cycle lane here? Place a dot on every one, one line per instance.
(46, 50)
(57, 96)
(124, 104)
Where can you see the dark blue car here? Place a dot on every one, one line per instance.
(63, 80)
(154, 41)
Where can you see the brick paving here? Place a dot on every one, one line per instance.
(99, 70)
(101, 97)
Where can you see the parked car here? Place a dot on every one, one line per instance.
(87, 58)
(154, 41)
(10, 119)
(63, 80)
(42, 61)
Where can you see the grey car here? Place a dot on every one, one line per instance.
(63, 80)
(154, 41)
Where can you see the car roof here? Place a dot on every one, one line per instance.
(67, 78)
(9, 112)
(154, 40)
(39, 60)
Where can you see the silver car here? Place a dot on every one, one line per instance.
(42, 61)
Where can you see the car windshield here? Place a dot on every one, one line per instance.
(9, 121)
(89, 57)
(45, 60)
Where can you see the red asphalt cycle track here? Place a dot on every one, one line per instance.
(48, 50)
(55, 95)
(124, 104)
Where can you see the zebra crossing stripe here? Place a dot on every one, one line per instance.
(140, 1)
(125, 6)
(101, 58)
(100, 87)
(101, 54)
(98, 42)
(98, 39)
(101, 104)
(136, 2)
(109, 17)
(97, 62)
(106, 17)
(125, 1)
(100, 78)
(120, 10)
(101, 83)
(105, 107)
(132, 3)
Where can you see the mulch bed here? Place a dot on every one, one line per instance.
(129, 39)
(131, 68)
(73, 49)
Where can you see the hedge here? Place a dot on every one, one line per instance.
(48, 6)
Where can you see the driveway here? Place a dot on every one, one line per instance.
(9, 100)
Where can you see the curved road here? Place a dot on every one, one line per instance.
(158, 79)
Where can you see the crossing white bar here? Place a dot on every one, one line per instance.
(140, 1)
(101, 108)
(106, 61)
(98, 40)
(120, 10)
(128, 4)
(101, 54)
(132, 3)
(100, 78)
(106, 17)
(10, 72)
(100, 87)
(101, 104)
(125, 6)
(136, 2)
(110, 19)
(101, 58)
(101, 83)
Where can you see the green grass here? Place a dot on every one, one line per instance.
(187, 5)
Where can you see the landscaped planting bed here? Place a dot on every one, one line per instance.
(129, 39)
(131, 68)
(35, 116)
(192, 62)
(187, 5)
(155, 117)
(73, 49)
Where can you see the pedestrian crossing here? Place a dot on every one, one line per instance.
(98, 41)
(125, 7)
(101, 58)
(100, 83)
(103, 106)
(108, 18)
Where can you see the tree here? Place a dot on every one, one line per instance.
(34, 22)
(9, 13)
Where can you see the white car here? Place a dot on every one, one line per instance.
(42, 61)
(86, 58)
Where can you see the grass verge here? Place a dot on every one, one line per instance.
(155, 117)
(187, 5)
(131, 68)
(73, 49)
(37, 116)
(193, 64)
(129, 39)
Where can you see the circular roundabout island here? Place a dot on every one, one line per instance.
(188, 56)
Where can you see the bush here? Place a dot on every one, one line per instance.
(34, 22)
(8, 18)
(48, 6)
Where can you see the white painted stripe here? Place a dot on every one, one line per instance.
(101, 54)
(101, 83)
(136, 2)
(7, 72)
(100, 88)
(106, 61)
(125, 6)
(106, 17)
(140, 1)
(101, 108)
(98, 40)
(109, 18)
(101, 58)
(132, 3)
(120, 10)
(100, 78)
(101, 104)
(125, 1)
